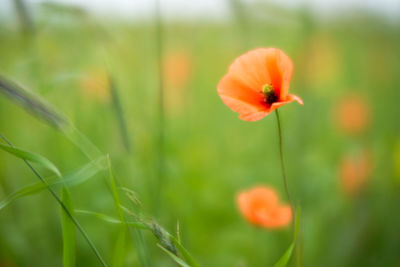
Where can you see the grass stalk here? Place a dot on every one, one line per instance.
(63, 206)
(116, 101)
(161, 109)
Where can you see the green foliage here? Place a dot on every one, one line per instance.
(283, 261)
(31, 157)
(209, 154)
(68, 231)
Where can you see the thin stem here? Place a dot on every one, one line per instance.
(78, 226)
(293, 208)
(278, 120)
(161, 109)
(119, 113)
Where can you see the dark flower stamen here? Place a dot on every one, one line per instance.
(269, 94)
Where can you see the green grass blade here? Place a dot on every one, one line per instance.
(25, 191)
(31, 157)
(32, 103)
(120, 247)
(42, 110)
(75, 178)
(81, 142)
(168, 242)
(119, 113)
(101, 216)
(109, 219)
(174, 257)
(184, 253)
(114, 190)
(61, 203)
(68, 231)
(283, 261)
(84, 173)
(137, 236)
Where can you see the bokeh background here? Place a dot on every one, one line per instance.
(99, 64)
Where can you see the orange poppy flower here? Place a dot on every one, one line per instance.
(257, 83)
(177, 69)
(96, 85)
(354, 171)
(260, 206)
(353, 114)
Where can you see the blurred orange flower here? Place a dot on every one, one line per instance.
(352, 114)
(96, 85)
(257, 83)
(177, 69)
(355, 171)
(260, 206)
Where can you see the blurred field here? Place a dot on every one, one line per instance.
(343, 165)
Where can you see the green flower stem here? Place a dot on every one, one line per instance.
(278, 120)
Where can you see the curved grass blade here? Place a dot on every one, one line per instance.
(184, 253)
(116, 101)
(120, 247)
(112, 220)
(42, 110)
(81, 142)
(283, 261)
(174, 257)
(32, 103)
(57, 198)
(31, 157)
(25, 191)
(137, 236)
(68, 231)
(167, 241)
(83, 174)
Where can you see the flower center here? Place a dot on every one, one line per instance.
(269, 94)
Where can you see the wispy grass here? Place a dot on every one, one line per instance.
(32, 103)
(25, 18)
(68, 230)
(136, 235)
(26, 156)
(39, 108)
(169, 243)
(160, 144)
(119, 113)
(69, 179)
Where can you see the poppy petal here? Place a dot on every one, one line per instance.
(280, 68)
(254, 116)
(279, 217)
(245, 88)
(290, 98)
(243, 203)
(285, 65)
(295, 98)
(264, 195)
(251, 69)
(239, 97)
(239, 106)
